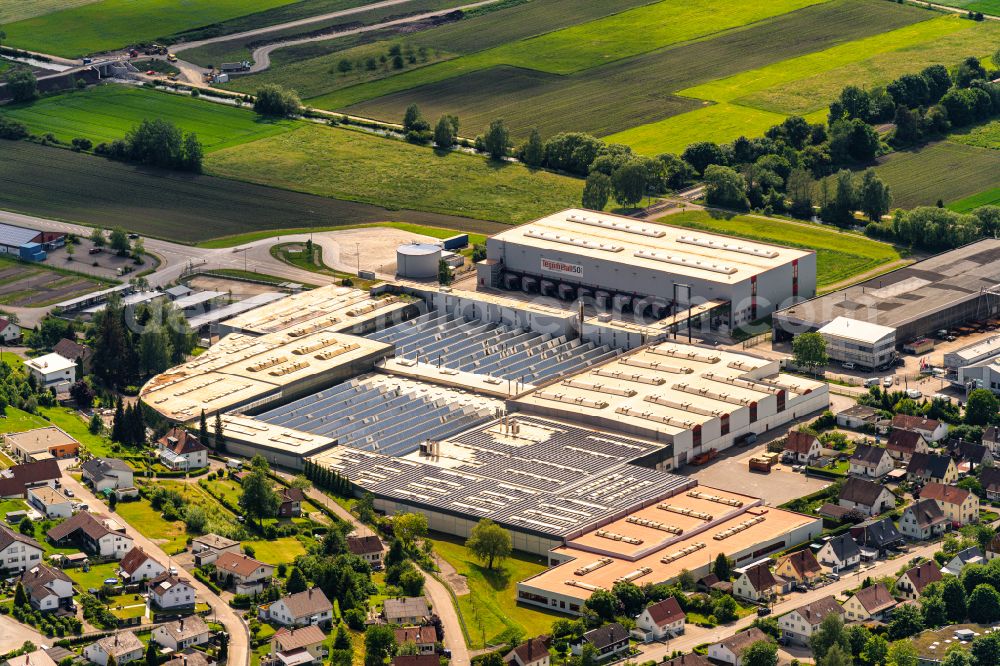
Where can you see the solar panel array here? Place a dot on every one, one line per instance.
(378, 413)
(491, 349)
(568, 481)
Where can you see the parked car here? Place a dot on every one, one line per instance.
(95, 250)
(763, 610)
(133, 236)
(872, 381)
(915, 394)
(848, 365)
(68, 492)
(887, 382)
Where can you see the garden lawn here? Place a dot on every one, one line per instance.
(111, 24)
(944, 170)
(95, 577)
(105, 113)
(277, 551)
(990, 197)
(491, 607)
(169, 535)
(839, 254)
(71, 422)
(361, 167)
(17, 420)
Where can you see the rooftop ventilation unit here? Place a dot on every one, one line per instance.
(633, 575)
(752, 250)
(656, 365)
(636, 377)
(584, 586)
(599, 388)
(572, 240)
(654, 524)
(593, 566)
(682, 406)
(614, 536)
(265, 364)
(562, 397)
(685, 511)
(652, 232)
(685, 352)
(676, 555)
(659, 418)
(684, 261)
(736, 529)
(697, 494)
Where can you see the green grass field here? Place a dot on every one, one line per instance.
(276, 551)
(491, 607)
(18, 10)
(111, 24)
(984, 6)
(626, 93)
(168, 535)
(839, 254)
(105, 113)
(58, 183)
(240, 239)
(982, 136)
(359, 166)
(990, 197)
(945, 170)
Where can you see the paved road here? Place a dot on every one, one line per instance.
(290, 24)
(262, 54)
(239, 635)
(13, 634)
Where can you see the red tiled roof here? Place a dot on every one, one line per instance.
(799, 442)
(666, 612)
(943, 493)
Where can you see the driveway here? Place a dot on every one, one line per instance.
(239, 635)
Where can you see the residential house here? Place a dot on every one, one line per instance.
(730, 650)
(870, 603)
(840, 552)
(52, 371)
(243, 573)
(961, 506)
(866, 496)
(803, 446)
(711, 582)
(930, 429)
(924, 519)
(290, 505)
(293, 646)
(927, 467)
(75, 352)
(137, 566)
(609, 641)
(47, 588)
(913, 581)
(97, 535)
(368, 548)
(424, 638)
(51, 502)
(991, 439)
(799, 625)
(961, 559)
(42, 444)
(993, 550)
(877, 537)
(107, 474)
(755, 582)
(904, 443)
(15, 481)
(38, 657)
(801, 567)
(207, 548)
(406, 610)
(123, 646)
(989, 479)
(857, 417)
(307, 607)
(873, 462)
(977, 455)
(660, 620)
(689, 659)
(189, 657)
(168, 592)
(181, 450)
(17, 551)
(181, 634)
(415, 660)
(9, 331)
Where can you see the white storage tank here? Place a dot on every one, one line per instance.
(418, 260)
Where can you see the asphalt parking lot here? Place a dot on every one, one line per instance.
(731, 471)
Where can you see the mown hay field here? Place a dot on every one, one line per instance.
(18, 10)
(358, 166)
(188, 208)
(839, 254)
(105, 113)
(945, 170)
(990, 197)
(111, 24)
(631, 92)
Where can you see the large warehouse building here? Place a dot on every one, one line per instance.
(941, 292)
(630, 265)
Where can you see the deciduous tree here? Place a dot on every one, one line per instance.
(489, 542)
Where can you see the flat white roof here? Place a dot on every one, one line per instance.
(618, 239)
(979, 350)
(855, 329)
(50, 363)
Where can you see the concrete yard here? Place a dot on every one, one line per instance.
(731, 471)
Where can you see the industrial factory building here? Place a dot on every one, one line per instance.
(944, 291)
(628, 265)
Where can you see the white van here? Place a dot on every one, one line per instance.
(233, 463)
